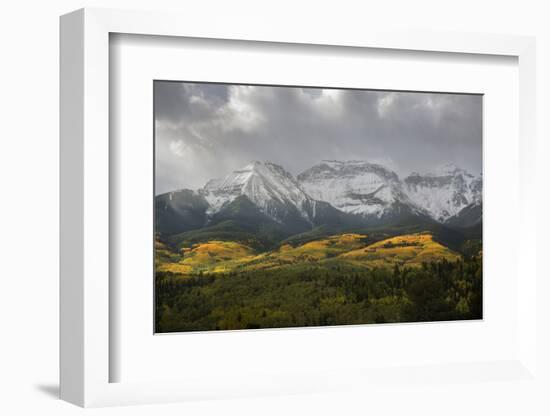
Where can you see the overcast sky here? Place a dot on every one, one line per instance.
(204, 131)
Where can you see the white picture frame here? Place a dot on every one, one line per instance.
(85, 211)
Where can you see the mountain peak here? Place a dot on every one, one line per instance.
(444, 191)
(330, 168)
(446, 169)
(255, 164)
(339, 164)
(262, 168)
(267, 185)
(355, 186)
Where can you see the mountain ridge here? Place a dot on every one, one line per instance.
(359, 187)
(331, 192)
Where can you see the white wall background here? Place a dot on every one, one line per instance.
(29, 187)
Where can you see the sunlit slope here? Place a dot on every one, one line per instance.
(311, 252)
(320, 249)
(351, 249)
(226, 256)
(213, 257)
(404, 250)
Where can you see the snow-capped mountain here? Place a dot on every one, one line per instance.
(267, 185)
(331, 193)
(445, 191)
(358, 187)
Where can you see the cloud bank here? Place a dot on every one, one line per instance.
(203, 131)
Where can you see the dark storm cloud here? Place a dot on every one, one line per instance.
(204, 131)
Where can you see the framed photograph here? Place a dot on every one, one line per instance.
(247, 215)
(280, 206)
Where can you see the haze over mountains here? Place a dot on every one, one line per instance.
(335, 193)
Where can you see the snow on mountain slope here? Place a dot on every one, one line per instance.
(357, 187)
(272, 189)
(331, 190)
(445, 191)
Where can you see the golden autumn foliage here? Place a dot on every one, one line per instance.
(215, 256)
(208, 257)
(332, 280)
(404, 250)
(320, 249)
